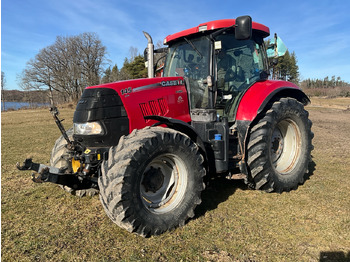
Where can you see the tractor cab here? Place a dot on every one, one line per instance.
(217, 63)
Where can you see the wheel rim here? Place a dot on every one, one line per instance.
(163, 184)
(285, 146)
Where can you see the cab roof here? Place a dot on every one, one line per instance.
(264, 31)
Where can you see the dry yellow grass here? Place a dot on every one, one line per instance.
(43, 223)
(336, 103)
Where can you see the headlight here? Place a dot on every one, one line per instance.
(89, 128)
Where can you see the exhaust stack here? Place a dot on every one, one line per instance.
(150, 51)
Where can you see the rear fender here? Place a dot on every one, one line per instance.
(256, 100)
(261, 93)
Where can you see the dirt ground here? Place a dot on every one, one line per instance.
(331, 125)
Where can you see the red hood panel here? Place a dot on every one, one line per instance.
(162, 96)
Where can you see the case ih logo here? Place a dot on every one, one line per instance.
(180, 100)
(172, 83)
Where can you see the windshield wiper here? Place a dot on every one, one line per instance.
(219, 32)
(193, 46)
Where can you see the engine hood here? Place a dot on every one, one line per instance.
(160, 96)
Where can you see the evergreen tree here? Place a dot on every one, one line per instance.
(124, 72)
(115, 74)
(287, 68)
(107, 75)
(294, 69)
(136, 68)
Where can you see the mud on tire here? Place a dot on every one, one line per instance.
(152, 181)
(279, 148)
(59, 158)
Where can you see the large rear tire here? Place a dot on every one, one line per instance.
(279, 148)
(152, 181)
(59, 158)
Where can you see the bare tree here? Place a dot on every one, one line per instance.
(67, 66)
(134, 52)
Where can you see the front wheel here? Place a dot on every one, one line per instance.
(279, 148)
(152, 181)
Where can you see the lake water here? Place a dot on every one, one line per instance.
(18, 105)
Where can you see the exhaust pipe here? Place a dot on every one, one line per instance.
(150, 51)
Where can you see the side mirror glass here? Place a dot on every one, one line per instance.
(243, 27)
(276, 48)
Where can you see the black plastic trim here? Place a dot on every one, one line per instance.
(105, 106)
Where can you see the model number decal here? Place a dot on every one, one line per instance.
(126, 91)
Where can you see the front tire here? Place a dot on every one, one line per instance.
(152, 181)
(279, 148)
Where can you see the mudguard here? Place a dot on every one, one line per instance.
(259, 94)
(179, 126)
(254, 102)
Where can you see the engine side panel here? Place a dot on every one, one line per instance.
(164, 96)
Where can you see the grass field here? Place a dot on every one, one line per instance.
(40, 222)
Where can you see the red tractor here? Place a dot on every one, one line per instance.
(148, 144)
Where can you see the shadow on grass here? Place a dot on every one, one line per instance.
(312, 169)
(334, 257)
(218, 190)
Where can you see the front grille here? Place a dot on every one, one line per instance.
(103, 105)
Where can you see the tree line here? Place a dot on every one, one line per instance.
(133, 68)
(327, 82)
(62, 70)
(326, 87)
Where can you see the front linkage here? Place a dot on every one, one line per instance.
(83, 169)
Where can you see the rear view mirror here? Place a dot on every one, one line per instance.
(243, 26)
(276, 48)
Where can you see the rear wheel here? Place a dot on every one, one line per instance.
(60, 159)
(152, 181)
(279, 148)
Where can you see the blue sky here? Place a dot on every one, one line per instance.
(318, 31)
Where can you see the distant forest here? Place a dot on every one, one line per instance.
(36, 96)
(329, 87)
(63, 70)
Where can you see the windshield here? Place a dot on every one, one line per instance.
(191, 59)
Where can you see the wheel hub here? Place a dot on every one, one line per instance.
(163, 183)
(285, 146)
(277, 144)
(153, 179)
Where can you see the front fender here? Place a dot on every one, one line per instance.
(180, 126)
